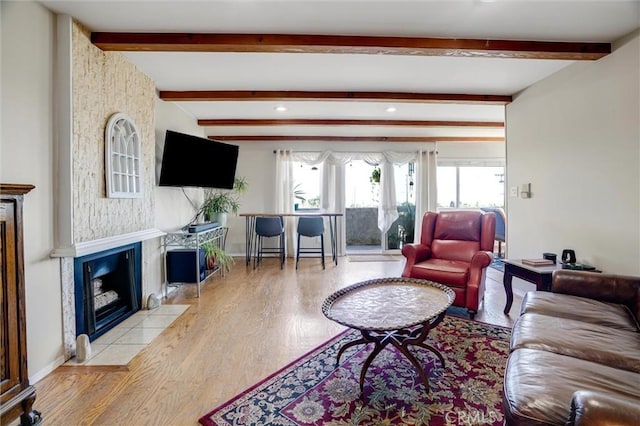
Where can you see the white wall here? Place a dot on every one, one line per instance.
(26, 156)
(471, 151)
(575, 137)
(173, 209)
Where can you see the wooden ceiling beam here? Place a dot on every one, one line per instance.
(270, 138)
(318, 96)
(338, 44)
(346, 122)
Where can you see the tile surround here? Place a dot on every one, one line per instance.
(121, 344)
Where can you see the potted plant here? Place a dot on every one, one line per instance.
(298, 194)
(216, 256)
(375, 175)
(218, 203)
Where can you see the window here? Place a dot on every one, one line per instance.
(470, 186)
(122, 158)
(306, 185)
(362, 189)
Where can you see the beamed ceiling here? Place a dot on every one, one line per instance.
(386, 71)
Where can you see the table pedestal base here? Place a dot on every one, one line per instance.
(400, 339)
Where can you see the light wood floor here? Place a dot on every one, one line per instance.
(244, 327)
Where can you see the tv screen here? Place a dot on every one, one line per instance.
(193, 161)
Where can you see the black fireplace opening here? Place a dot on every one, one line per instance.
(108, 288)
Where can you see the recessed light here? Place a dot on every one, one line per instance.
(281, 108)
(391, 109)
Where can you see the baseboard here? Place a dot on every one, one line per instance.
(35, 378)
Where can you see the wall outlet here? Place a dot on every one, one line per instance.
(513, 191)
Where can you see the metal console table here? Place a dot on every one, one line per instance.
(193, 242)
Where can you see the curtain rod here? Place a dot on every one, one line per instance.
(275, 151)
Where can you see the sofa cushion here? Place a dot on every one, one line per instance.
(579, 308)
(450, 272)
(538, 385)
(462, 251)
(604, 345)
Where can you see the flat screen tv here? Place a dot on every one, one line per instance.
(193, 161)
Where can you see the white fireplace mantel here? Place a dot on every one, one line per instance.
(95, 246)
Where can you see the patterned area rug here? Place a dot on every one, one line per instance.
(312, 391)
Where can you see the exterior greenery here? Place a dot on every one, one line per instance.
(298, 193)
(375, 175)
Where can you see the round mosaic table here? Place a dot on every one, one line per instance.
(396, 311)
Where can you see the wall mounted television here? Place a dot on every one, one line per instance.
(193, 161)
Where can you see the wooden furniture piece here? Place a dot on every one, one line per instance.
(396, 311)
(539, 275)
(182, 247)
(250, 236)
(17, 395)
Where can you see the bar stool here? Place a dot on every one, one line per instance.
(310, 227)
(268, 227)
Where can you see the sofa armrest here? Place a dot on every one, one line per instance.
(481, 259)
(414, 253)
(620, 289)
(598, 408)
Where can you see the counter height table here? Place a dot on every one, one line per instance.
(250, 219)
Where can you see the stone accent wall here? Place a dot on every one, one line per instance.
(105, 83)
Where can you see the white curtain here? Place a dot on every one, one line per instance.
(333, 195)
(333, 182)
(426, 187)
(284, 196)
(388, 206)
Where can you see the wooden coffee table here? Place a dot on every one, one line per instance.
(396, 311)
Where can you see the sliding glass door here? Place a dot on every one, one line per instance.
(362, 203)
(470, 187)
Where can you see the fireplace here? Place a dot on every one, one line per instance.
(108, 288)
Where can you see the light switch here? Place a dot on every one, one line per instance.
(513, 191)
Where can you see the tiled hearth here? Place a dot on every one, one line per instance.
(122, 343)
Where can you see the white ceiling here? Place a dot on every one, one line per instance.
(568, 20)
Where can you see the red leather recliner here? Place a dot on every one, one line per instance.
(455, 249)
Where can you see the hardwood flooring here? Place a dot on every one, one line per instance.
(244, 327)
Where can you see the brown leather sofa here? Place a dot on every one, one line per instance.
(455, 249)
(575, 353)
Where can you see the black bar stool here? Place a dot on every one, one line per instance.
(310, 226)
(268, 227)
